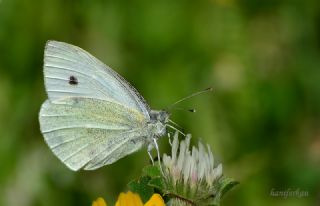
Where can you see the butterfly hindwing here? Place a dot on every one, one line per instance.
(89, 133)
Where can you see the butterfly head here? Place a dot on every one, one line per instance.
(161, 116)
(158, 122)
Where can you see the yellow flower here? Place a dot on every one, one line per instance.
(132, 199)
(99, 202)
(129, 199)
(155, 200)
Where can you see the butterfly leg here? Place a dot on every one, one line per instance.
(158, 153)
(150, 147)
(170, 140)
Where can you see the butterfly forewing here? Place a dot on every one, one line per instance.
(72, 72)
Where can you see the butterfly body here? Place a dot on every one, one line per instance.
(93, 116)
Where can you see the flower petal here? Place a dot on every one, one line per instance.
(129, 199)
(174, 149)
(155, 200)
(99, 202)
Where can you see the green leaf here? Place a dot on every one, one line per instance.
(157, 183)
(141, 187)
(226, 184)
(213, 198)
(152, 171)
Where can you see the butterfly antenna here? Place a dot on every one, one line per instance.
(190, 96)
(184, 109)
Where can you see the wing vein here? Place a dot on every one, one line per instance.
(80, 127)
(76, 152)
(67, 92)
(112, 150)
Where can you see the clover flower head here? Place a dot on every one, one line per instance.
(190, 176)
(191, 167)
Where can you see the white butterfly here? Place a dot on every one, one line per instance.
(93, 116)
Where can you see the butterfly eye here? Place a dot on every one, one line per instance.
(73, 80)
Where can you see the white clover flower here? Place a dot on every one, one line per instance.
(189, 176)
(194, 169)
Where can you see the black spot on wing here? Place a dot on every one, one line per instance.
(73, 80)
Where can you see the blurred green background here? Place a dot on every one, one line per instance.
(262, 120)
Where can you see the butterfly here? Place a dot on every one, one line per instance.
(93, 116)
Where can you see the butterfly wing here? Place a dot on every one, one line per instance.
(69, 71)
(93, 116)
(90, 133)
